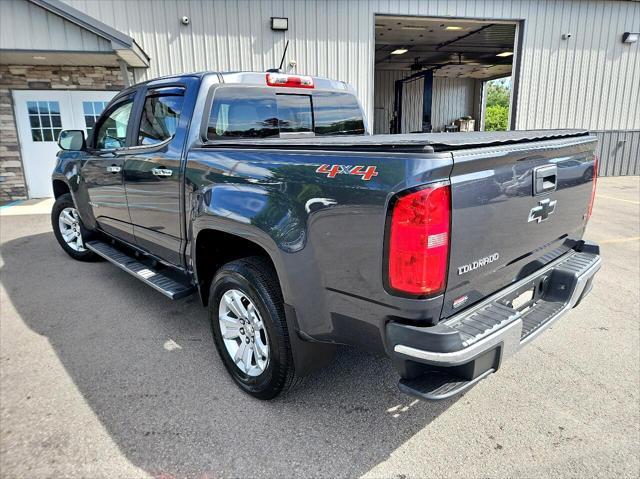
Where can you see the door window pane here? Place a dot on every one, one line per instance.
(294, 113)
(243, 113)
(92, 111)
(160, 117)
(44, 119)
(112, 132)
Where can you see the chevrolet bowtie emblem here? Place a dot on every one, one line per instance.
(543, 210)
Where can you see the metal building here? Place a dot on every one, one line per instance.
(573, 63)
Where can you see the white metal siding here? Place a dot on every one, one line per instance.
(412, 93)
(25, 26)
(452, 98)
(384, 98)
(588, 81)
(620, 152)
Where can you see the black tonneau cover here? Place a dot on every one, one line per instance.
(424, 142)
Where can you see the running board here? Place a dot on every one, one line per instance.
(436, 385)
(158, 280)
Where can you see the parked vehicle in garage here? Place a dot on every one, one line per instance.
(263, 193)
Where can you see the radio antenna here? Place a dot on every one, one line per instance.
(283, 55)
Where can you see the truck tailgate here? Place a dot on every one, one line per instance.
(514, 209)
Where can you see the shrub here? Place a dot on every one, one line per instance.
(496, 118)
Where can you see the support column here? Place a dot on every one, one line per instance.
(124, 71)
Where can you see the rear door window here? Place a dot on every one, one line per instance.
(160, 115)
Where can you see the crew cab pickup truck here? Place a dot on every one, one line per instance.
(264, 194)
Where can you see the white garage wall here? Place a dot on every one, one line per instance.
(589, 81)
(384, 84)
(452, 98)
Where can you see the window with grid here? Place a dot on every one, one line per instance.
(44, 118)
(92, 111)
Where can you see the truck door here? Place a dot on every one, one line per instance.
(102, 173)
(152, 173)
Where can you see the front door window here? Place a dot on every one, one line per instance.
(112, 133)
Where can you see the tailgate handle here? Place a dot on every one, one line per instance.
(545, 179)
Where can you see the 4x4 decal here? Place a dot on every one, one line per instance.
(367, 172)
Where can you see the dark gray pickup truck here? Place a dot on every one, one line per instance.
(263, 193)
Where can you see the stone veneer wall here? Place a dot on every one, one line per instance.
(40, 77)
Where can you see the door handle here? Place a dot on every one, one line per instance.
(114, 169)
(162, 172)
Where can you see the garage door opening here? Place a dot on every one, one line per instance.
(440, 75)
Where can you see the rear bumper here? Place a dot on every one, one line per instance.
(471, 345)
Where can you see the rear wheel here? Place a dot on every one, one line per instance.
(69, 231)
(249, 327)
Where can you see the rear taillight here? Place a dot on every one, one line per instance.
(292, 81)
(419, 241)
(594, 181)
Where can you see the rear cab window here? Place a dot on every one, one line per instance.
(256, 112)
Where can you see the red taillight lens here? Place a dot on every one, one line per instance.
(594, 181)
(419, 241)
(292, 81)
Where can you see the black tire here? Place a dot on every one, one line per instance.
(65, 201)
(255, 277)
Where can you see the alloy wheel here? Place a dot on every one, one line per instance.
(69, 225)
(243, 332)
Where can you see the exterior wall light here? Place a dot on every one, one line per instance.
(628, 37)
(399, 51)
(279, 23)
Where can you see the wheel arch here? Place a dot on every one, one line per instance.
(60, 187)
(214, 248)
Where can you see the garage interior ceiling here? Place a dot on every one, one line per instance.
(453, 48)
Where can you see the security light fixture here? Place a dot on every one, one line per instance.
(452, 27)
(628, 37)
(504, 54)
(279, 23)
(399, 51)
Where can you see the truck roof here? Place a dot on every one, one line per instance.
(254, 78)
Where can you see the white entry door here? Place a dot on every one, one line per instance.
(40, 116)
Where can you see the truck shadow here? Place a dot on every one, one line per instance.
(148, 369)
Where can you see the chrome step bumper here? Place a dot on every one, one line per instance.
(480, 338)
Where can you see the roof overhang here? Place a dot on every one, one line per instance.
(124, 47)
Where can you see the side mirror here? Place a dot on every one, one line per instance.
(72, 140)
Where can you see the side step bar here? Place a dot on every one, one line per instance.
(159, 280)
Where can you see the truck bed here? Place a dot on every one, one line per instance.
(410, 142)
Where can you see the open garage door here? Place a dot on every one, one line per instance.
(431, 73)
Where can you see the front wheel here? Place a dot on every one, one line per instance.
(69, 231)
(249, 327)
